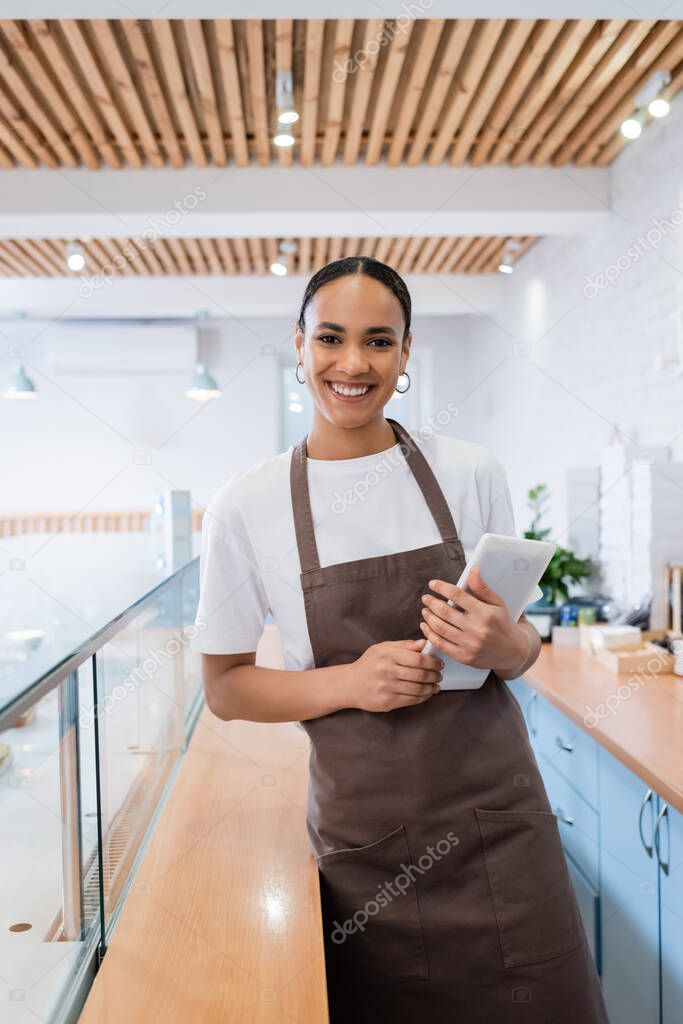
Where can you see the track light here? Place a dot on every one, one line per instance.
(653, 97)
(506, 265)
(659, 107)
(284, 139)
(284, 98)
(277, 268)
(75, 256)
(632, 127)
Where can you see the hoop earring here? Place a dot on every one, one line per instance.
(297, 374)
(402, 391)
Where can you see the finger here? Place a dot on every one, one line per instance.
(417, 659)
(415, 644)
(415, 677)
(453, 616)
(452, 592)
(452, 650)
(445, 630)
(482, 590)
(416, 690)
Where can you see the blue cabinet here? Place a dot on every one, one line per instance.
(629, 895)
(669, 847)
(624, 849)
(588, 900)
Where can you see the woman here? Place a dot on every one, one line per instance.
(445, 894)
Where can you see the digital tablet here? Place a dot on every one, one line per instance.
(511, 566)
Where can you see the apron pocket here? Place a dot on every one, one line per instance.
(373, 934)
(533, 898)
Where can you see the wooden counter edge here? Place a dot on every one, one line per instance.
(540, 678)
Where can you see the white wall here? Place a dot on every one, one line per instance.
(544, 380)
(78, 445)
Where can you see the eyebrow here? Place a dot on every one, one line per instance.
(342, 330)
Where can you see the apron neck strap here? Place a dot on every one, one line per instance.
(421, 470)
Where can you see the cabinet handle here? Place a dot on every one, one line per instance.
(646, 799)
(531, 705)
(563, 817)
(559, 742)
(664, 813)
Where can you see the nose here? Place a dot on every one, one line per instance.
(353, 361)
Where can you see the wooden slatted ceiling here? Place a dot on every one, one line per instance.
(134, 93)
(230, 256)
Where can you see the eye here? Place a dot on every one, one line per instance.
(383, 342)
(327, 337)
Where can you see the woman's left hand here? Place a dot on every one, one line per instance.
(480, 632)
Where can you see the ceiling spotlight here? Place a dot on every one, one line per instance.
(277, 268)
(633, 126)
(653, 88)
(19, 386)
(511, 245)
(284, 98)
(75, 256)
(659, 107)
(284, 139)
(288, 247)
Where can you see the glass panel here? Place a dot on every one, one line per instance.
(192, 660)
(44, 938)
(50, 613)
(141, 729)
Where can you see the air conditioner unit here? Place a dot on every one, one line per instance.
(121, 349)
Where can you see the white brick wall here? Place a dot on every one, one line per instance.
(591, 360)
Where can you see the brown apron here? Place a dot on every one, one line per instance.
(445, 893)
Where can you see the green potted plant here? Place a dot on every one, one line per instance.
(565, 567)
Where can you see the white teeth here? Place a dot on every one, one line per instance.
(350, 392)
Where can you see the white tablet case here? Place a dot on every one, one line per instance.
(512, 566)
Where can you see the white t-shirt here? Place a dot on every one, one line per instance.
(363, 507)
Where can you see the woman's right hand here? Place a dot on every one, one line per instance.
(393, 674)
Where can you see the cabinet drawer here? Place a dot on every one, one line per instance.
(568, 748)
(577, 821)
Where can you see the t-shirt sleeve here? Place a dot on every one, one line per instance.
(233, 604)
(501, 517)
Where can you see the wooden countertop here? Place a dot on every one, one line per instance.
(222, 922)
(642, 724)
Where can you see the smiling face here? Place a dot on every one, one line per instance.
(352, 353)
